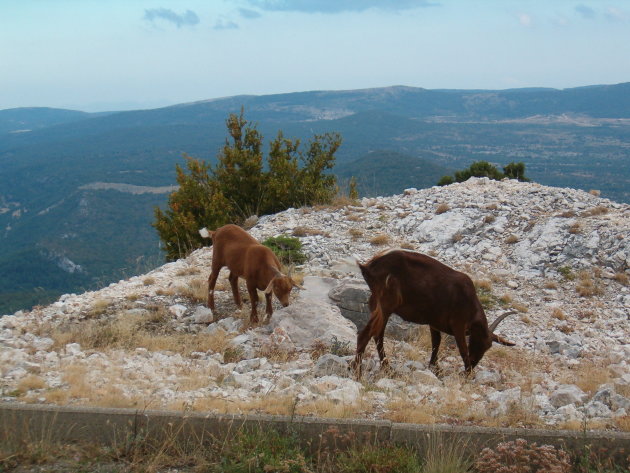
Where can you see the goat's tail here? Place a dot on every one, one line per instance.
(205, 233)
(392, 288)
(378, 320)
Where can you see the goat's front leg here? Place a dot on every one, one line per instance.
(269, 308)
(460, 339)
(436, 339)
(253, 298)
(234, 283)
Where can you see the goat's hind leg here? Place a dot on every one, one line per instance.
(363, 337)
(212, 281)
(378, 339)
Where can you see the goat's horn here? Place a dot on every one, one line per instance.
(499, 319)
(269, 287)
(501, 340)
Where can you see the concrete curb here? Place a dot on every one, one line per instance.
(33, 422)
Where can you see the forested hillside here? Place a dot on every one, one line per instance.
(60, 234)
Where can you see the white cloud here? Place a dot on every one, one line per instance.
(525, 19)
(189, 18)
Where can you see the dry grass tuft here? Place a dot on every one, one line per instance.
(355, 233)
(329, 409)
(457, 237)
(550, 284)
(148, 281)
(559, 314)
(520, 307)
(575, 228)
(301, 231)
(30, 383)
(196, 290)
(410, 411)
(587, 286)
(189, 271)
(407, 245)
(131, 331)
(489, 219)
(622, 278)
(99, 307)
(442, 208)
(485, 284)
(599, 210)
(595, 192)
(623, 423)
(380, 239)
(588, 375)
(511, 239)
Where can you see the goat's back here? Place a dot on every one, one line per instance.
(240, 252)
(419, 288)
(232, 235)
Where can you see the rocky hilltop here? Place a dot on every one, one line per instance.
(559, 258)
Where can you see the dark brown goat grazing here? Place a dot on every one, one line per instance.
(424, 291)
(245, 257)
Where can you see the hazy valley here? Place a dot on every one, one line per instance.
(77, 190)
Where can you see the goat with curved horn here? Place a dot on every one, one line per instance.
(422, 290)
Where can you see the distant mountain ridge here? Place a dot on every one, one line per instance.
(393, 136)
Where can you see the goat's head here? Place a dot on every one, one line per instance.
(281, 286)
(481, 339)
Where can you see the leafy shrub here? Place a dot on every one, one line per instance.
(287, 249)
(240, 185)
(265, 452)
(485, 169)
(367, 458)
(520, 457)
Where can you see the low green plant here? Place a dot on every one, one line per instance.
(567, 273)
(445, 455)
(266, 451)
(287, 249)
(381, 459)
(339, 347)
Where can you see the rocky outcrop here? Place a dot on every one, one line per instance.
(560, 258)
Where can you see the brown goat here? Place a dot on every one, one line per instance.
(245, 257)
(422, 290)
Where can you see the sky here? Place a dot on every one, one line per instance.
(98, 55)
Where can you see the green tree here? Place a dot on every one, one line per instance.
(239, 186)
(445, 180)
(515, 171)
(198, 199)
(479, 169)
(485, 169)
(353, 192)
(238, 173)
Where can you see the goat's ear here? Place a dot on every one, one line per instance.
(269, 287)
(501, 340)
